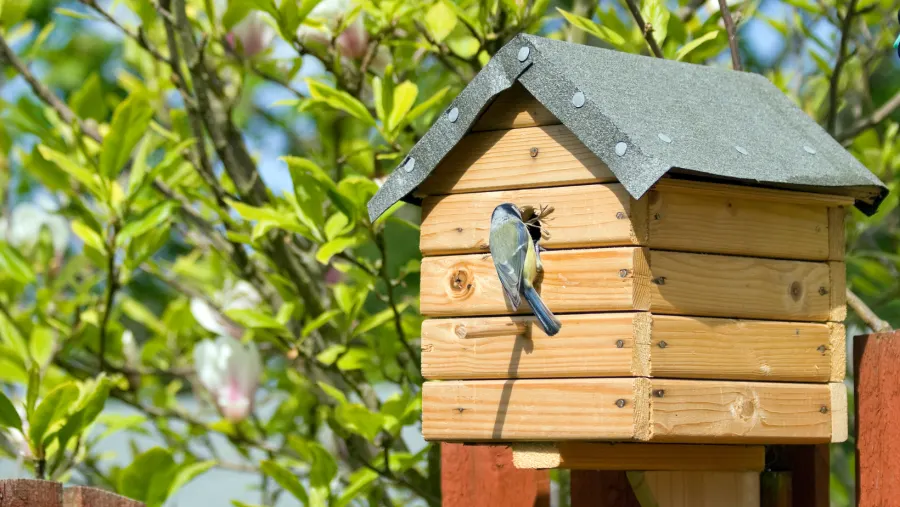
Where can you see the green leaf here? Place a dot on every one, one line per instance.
(80, 174)
(423, 107)
(330, 354)
(656, 15)
(356, 358)
(41, 344)
(301, 166)
(339, 100)
(333, 392)
(13, 11)
(149, 477)
(359, 483)
(599, 31)
(285, 479)
(464, 46)
(50, 413)
(129, 123)
(253, 319)
(376, 320)
(440, 21)
(150, 219)
(88, 236)
(694, 44)
(9, 417)
(13, 265)
(336, 246)
(187, 473)
(323, 468)
(319, 321)
(357, 419)
(34, 388)
(288, 19)
(88, 101)
(404, 97)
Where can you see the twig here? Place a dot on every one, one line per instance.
(877, 117)
(732, 35)
(689, 11)
(136, 36)
(392, 302)
(112, 286)
(862, 310)
(833, 91)
(646, 29)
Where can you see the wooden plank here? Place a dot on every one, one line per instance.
(607, 279)
(483, 476)
(876, 360)
(836, 237)
(503, 160)
(603, 345)
(744, 287)
(639, 456)
(584, 216)
(691, 347)
(692, 411)
(81, 496)
(553, 409)
(30, 493)
(684, 219)
(512, 109)
(751, 192)
(775, 489)
(809, 470)
(595, 488)
(704, 489)
(838, 349)
(838, 291)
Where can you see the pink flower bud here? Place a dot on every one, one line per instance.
(254, 35)
(230, 371)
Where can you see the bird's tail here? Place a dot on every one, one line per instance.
(548, 321)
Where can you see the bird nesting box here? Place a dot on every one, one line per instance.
(694, 254)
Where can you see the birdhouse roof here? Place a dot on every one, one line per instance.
(645, 116)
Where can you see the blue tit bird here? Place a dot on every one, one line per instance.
(517, 260)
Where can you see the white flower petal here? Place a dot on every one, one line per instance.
(207, 317)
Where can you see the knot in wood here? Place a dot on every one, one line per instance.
(460, 330)
(461, 282)
(796, 291)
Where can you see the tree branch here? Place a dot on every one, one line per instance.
(834, 85)
(646, 29)
(876, 118)
(732, 35)
(862, 310)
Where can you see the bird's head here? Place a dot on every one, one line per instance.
(506, 211)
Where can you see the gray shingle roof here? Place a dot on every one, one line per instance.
(669, 115)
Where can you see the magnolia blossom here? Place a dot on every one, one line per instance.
(17, 438)
(130, 349)
(23, 228)
(253, 33)
(352, 42)
(229, 370)
(235, 296)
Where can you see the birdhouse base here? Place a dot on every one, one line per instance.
(639, 457)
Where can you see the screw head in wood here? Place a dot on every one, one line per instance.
(662, 344)
(821, 349)
(533, 152)
(524, 51)
(659, 393)
(660, 280)
(620, 403)
(824, 409)
(578, 99)
(620, 344)
(823, 291)
(657, 216)
(453, 115)
(623, 273)
(620, 215)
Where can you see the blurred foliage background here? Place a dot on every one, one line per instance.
(185, 239)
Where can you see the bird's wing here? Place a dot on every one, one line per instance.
(510, 262)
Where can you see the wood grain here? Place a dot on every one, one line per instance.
(608, 279)
(693, 411)
(483, 476)
(601, 345)
(691, 347)
(30, 493)
(836, 236)
(553, 409)
(583, 216)
(840, 425)
(81, 496)
(512, 109)
(736, 223)
(838, 349)
(877, 396)
(704, 489)
(639, 456)
(744, 287)
(502, 160)
(838, 291)
(669, 183)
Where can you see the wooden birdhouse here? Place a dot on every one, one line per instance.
(694, 255)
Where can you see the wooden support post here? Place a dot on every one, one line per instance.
(34, 493)
(877, 367)
(594, 488)
(668, 489)
(775, 489)
(484, 476)
(809, 469)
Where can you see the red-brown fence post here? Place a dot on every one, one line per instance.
(484, 476)
(80, 496)
(34, 493)
(876, 359)
(595, 488)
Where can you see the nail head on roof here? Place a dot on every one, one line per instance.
(409, 165)
(741, 150)
(810, 150)
(621, 148)
(578, 99)
(664, 138)
(524, 51)
(453, 115)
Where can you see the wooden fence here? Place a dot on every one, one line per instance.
(34, 493)
(483, 476)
